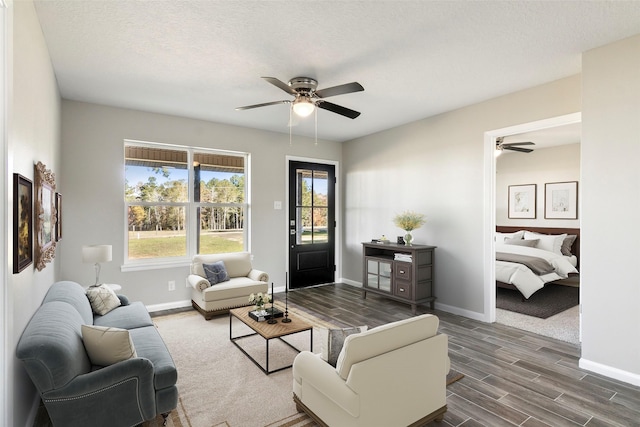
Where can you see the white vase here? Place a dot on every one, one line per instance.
(408, 238)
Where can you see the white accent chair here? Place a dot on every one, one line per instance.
(392, 375)
(220, 298)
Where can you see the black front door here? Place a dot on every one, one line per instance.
(311, 224)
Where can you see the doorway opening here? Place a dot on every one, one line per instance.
(491, 207)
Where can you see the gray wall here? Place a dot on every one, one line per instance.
(33, 135)
(610, 206)
(93, 180)
(436, 166)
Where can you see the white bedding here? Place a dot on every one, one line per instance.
(526, 280)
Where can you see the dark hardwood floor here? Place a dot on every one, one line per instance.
(512, 377)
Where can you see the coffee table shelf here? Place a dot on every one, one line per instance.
(268, 332)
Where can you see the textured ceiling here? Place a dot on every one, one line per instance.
(201, 59)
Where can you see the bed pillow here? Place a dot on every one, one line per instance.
(216, 272)
(567, 243)
(106, 346)
(547, 242)
(532, 243)
(501, 237)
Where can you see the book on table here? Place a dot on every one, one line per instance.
(266, 314)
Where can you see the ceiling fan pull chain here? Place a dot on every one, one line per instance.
(290, 126)
(316, 114)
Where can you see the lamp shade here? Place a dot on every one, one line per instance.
(96, 254)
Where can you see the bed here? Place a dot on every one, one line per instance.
(529, 258)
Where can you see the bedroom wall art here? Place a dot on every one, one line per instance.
(45, 215)
(22, 223)
(561, 200)
(522, 201)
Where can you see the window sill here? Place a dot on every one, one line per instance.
(154, 265)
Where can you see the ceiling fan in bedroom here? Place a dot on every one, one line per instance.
(513, 146)
(307, 97)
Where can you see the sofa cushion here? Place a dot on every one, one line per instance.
(134, 315)
(215, 272)
(149, 344)
(238, 264)
(71, 293)
(376, 341)
(233, 288)
(103, 299)
(106, 345)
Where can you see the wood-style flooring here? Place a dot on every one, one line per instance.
(512, 377)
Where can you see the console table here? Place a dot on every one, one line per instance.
(399, 272)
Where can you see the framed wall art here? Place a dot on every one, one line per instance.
(522, 201)
(45, 215)
(561, 200)
(22, 223)
(58, 217)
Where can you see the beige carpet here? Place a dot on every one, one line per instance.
(218, 384)
(220, 387)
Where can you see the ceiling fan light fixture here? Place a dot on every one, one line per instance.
(303, 106)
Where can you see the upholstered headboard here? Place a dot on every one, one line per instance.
(575, 249)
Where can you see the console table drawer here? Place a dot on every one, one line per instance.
(403, 289)
(403, 271)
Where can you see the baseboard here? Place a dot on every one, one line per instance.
(461, 312)
(350, 282)
(169, 306)
(608, 371)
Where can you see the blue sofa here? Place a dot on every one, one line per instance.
(76, 393)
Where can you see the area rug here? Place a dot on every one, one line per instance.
(220, 386)
(548, 301)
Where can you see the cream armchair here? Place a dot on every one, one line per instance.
(243, 280)
(392, 375)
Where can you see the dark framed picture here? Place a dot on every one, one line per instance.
(522, 201)
(561, 200)
(22, 222)
(59, 217)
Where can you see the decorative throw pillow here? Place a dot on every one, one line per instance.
(103, 299)
(106, 346)
(335, 341)
(521, 242)
(216, 272)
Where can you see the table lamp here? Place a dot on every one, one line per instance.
(95, 254)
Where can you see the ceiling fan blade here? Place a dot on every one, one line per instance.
(522, 150)
(339, 90)
(343, 111)
(249, 107)
(282, 85)
(511, 144)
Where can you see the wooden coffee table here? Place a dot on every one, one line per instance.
(268, 332)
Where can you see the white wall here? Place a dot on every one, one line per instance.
(610, 206)
(33, 135)
(554, 164)
(93, 161)
(436, 166)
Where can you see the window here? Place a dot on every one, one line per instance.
(181, 201)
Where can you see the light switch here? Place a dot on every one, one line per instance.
(277, 204)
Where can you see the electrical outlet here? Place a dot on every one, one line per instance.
(172, 285)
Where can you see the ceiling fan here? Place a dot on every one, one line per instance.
(307, 97)
(513, 146)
